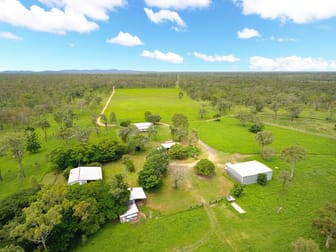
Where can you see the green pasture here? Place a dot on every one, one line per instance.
(131, 104)
(229, 136)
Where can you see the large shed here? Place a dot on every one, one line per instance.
(247, 172)
(85, 174)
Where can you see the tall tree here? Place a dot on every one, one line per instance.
(179, 127)
(264, 138)
(44, 125)
(14, 142)
(113, 117)
(325, 221)
(202, 111)
(292, 155)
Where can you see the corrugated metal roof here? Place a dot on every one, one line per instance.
(85, 173)
(249, 168)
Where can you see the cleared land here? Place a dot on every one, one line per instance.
(217, 226)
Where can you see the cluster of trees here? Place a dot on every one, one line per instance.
(154, 169)
(291, 92)
(83, 154)
(59, 216)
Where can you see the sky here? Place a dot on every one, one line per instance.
(168, 35)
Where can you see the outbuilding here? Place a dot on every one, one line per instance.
(85, 174)
(247, 172)
(168, 144)
(142, 127)
(137, 194)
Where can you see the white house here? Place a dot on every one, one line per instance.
(85, 174)
(136, 194)
(142, 127)
(167, 145)
(247, 172)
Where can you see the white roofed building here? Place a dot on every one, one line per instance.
(136, 194)
(85, 174)
(168, 144)
(247, 172)
(142, 127)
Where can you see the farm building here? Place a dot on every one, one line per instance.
(136, 194)
(167, 145)
(142, 127)
(85, 174)
(247, 172)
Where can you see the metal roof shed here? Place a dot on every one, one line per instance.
(85, 174)
(247, 172)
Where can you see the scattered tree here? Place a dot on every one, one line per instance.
(32, 142)
(325, 222)
(178, 151)
(179, 127)
(202, 110)
(267, 153)
(44, 125)
(113, 117)
(292, 155)
(14, 142)
(193, 137)
(264, 138)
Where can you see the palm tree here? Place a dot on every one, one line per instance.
(292, 155)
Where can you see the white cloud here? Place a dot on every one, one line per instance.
(281, 40)
(291, 63)
(248, 33)
(62, 15)
(125, 39)
(10, 36)
(178, 4)
(71, 45)
(216, 58)
(166, 57)
(299, 11)
(165, 15)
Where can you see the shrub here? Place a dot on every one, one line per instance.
(262, 179)
(257, 127)
(204, 167)
(130, 166)
(125, 123)
(177, 151)
(217, 117)
(237, 190)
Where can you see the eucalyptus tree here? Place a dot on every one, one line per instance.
(292, 155)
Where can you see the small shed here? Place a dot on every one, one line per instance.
(168, 144)
(142, 127)
(247, 172)
(85, 174)
(136, 194)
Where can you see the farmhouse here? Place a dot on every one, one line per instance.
(85, 174)
(136, 194)
(247, 172)
(142, 127)
(167, 145)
